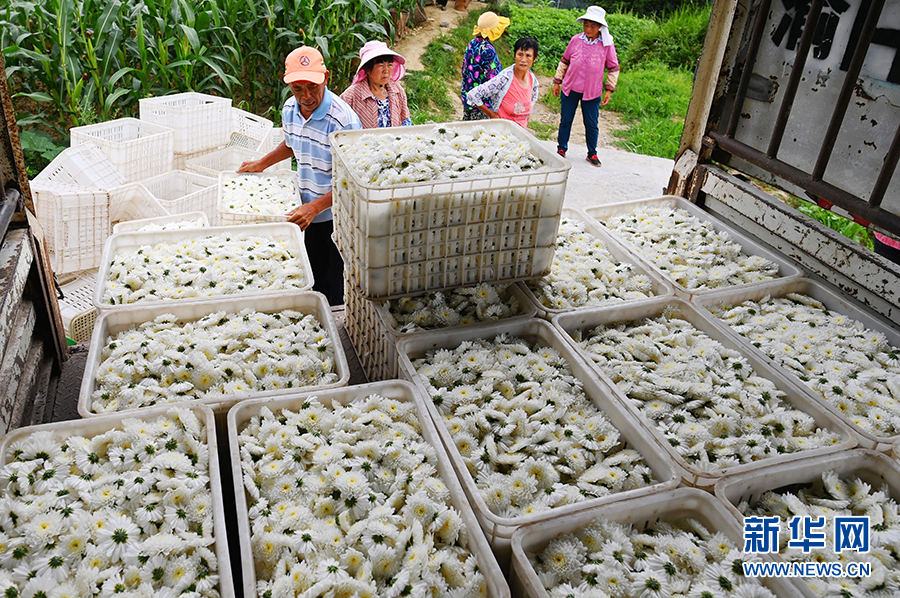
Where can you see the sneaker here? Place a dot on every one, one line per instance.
(593, 159)
(561, 152)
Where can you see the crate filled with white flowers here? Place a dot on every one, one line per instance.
(433, 207)
(696, 252)
(590, 269)
(115, 505)
(531, 432)
(376, 326)
(714, 407)
(249, 197)
(678, 543)
(858, 484)
(349, 492)
(216, 353)
(846, 357)
(141, 268)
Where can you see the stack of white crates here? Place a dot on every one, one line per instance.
(129, 169)
(415, 238)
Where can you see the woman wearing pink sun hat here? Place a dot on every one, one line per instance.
(375, 95)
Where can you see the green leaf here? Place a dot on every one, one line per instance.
(188, 14)
(107, 19)
(322, 42)
(191, 35)
(30, 54)
(37, 96)
(118, 93)
(108, 58)
(119, 74)
(202, 22)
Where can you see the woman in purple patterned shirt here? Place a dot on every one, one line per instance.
(481, 62)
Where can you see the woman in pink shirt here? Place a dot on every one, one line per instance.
(580, 73)
(514, 90)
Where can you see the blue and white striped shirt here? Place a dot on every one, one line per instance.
(312, 149)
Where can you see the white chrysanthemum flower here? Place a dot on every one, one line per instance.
(691, 251)
(714, 416)
(829, 352)
(354, 511)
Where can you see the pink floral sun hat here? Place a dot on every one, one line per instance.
(375, 49)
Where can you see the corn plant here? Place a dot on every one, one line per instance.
(72, 61)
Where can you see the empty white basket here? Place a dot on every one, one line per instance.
(248, 130)
(133, 202)
(200, 121)
(138, 149)
(75, 221)
(81, 166)
(227, 158)
(180, 191)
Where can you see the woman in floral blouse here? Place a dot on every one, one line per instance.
(481, 62)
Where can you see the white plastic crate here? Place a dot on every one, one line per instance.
(130, 241)
(399, 391)
(81, 166)
(787, 269)
(180, 191)
(794, 394)
(248, 130)
(407, 239)
(873, 468)
(75, 221)
(227, 158)
(136, 226)
(670, 506)
(368, 325)
(133, 202)
(99, 425)
(77, 311)
(137, 149)
(272, 141)
(114, 321)
(660, 287)
(228, 216)
(536, 332)
(833, 302)
(200, 121)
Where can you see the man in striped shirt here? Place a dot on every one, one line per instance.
(307, 119)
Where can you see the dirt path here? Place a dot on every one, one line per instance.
(413, 46)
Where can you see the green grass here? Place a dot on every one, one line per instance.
(427, 97)
(551, 102)
(675, 42)
(653, 100)
(542, 130)
(427, 91)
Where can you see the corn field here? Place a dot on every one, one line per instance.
(83, 61)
